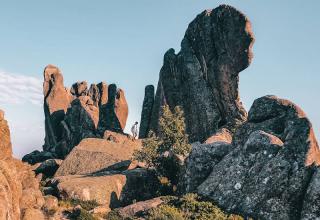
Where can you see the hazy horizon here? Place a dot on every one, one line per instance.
(123, 42)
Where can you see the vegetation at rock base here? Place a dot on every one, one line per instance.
(86, 205)
(85, 215)
(162, 151)
(187, 207)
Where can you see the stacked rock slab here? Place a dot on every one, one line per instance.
(203, 77)
(270, 169)
(20, 197)
(77, 113)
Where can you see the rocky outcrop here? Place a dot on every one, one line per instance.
(94, 155)
(20, 196)
(267, 172)
(146, 111)
(77, 113)
(203, 77)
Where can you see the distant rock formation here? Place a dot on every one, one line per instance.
(269, 171)
(203, 77)
(20, 197)
(77, 113)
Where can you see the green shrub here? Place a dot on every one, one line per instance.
(171, 140)
(85, 215)
(85, 204)
(165, 212)
(115, 215)
(188, 207)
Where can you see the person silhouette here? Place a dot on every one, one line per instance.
(134, 130)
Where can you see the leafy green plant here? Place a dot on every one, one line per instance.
(163, 151)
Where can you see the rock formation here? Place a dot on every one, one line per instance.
(77, 113)
(20, 197)
(267, 172)
(203, 77)
(146, 111)
(101, 170)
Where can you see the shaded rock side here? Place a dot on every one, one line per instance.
(93, 155)
(19, 189)
(113, 114)
(81, 121)
(203, 77)
(267, 174)
(146, 111)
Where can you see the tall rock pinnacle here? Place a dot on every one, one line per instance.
(203, 77)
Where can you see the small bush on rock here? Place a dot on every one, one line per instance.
(165, 150)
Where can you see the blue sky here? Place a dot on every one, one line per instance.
(123, 42)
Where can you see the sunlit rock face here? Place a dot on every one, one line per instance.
(203, 77)
(19, 189)
(77, 113)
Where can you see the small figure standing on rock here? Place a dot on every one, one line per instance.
(134, 130)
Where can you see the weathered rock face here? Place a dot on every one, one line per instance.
(146, 111)
(131, 210)
(203, 76)
(77, 113)
(200, 163)
(268, 172)
(19, 189)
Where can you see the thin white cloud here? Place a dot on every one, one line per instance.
(20, 89)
